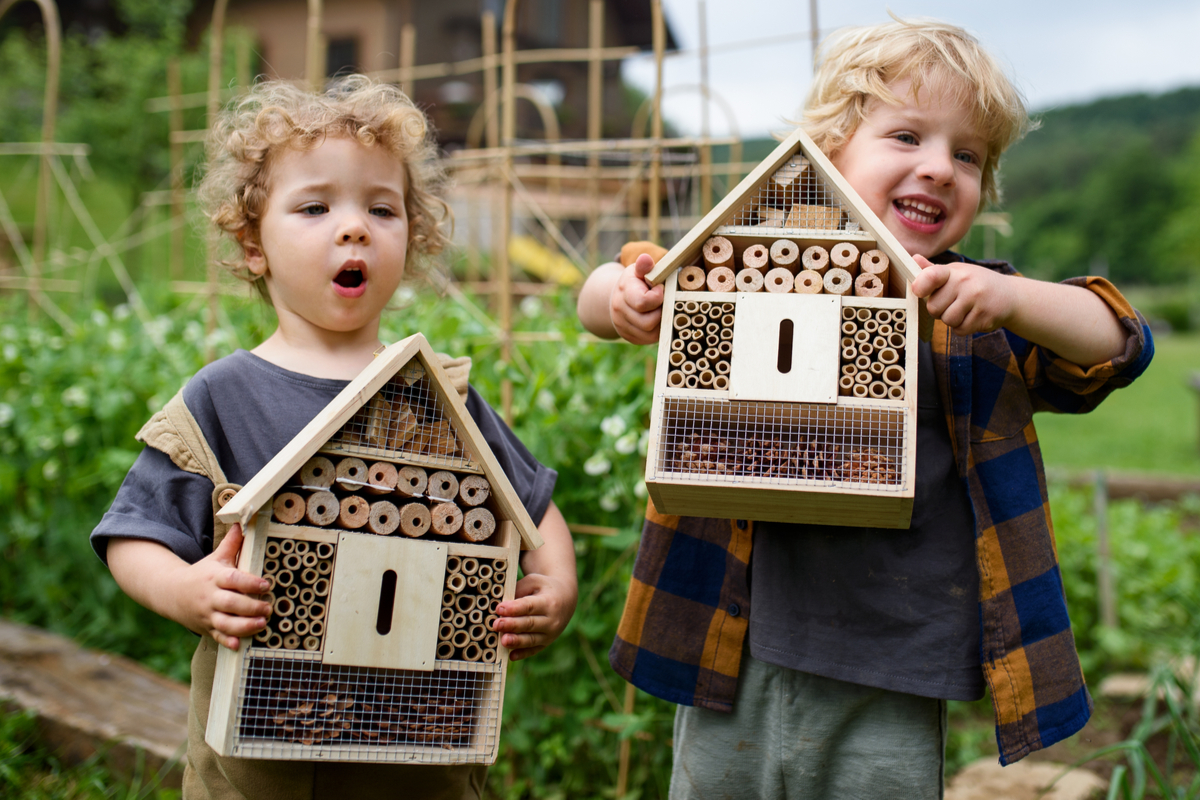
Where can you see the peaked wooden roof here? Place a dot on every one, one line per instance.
(261, 489)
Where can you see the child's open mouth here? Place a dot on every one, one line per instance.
(349, 278)
(918, 212)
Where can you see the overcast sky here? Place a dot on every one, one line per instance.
(1059, 51)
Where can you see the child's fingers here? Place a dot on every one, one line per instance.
(227, 551)
(932, 278)
(240, 604)
(234, 580)
(228, 629)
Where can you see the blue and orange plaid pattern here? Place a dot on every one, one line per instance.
(681, 634)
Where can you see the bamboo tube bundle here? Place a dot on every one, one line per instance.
(717, 252)
(691, 279)
(296, 595)
(465, 617)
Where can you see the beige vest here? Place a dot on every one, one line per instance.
(208, 776)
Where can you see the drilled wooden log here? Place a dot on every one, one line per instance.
(412, 481)
(749, 280)
(415, 520)
(288, 508)
(478, 525)
(838, 281)
(809, 282)
(717, 252)
(720, 279)
(785, 254)
(318, 472)
(756, 257)
(443, 486)
(868, 285)
(691, 279)
(382, 477)
(844, 255)
(779, 281)
(447, 519)
(473, 490)
(322, 508)
(353, 470)
(384, 518)
(875, 262)
(353, 512)
(815, 258)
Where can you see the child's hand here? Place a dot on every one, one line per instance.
(218, 591)
(209, 597)
(546, 596)
(542, 608)
(634, 306)
(968, 298)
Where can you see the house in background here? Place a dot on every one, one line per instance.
(364, 36)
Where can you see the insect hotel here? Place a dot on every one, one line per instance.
(390, 536)
(786, 380)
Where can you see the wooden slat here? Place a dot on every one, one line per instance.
(778, 504)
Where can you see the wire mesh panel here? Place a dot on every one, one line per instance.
(405, 419)
(297, 708)
(793, 444)
(794, 200)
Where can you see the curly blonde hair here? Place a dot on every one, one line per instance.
(277, 115)
(856, 65)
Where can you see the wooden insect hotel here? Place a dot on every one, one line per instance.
(390, 535)
(786, 380)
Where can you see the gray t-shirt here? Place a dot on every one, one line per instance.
(895, 609)
(248, 409)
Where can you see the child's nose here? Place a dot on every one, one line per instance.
(939, 168)
(354, 229)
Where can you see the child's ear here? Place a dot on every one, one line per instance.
(256, 259)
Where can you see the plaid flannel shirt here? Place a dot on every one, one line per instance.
(686, 617)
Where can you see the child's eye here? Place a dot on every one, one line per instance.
(906, 138)
(382, 211)
(967, 158)
(314, 209)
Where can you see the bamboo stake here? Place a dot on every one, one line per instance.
(595, 109)
(660, 43)
(500, 257)
(408, 56)
(314, 49)
(175, 123)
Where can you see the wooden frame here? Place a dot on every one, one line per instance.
(718, 489)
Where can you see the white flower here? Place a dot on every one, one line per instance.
(121, 312)
(597, 465)
(8, 332)
(612, 426)
(610, 502)
(99, 318)
(72, 435)
(56, 343)
(644, 443)
(10, 353)
(192, 332)
(45, 442)
(405, 295)
(627, 443)
(639, 491)
(116, 340)
(545, 401)
(531, 306)
(75, 396)
(50, 469)
(6, 414)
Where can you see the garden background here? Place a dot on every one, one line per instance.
(1110, 187)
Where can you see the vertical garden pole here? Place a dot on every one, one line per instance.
(1104, 576)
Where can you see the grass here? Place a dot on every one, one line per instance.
(1150, 426)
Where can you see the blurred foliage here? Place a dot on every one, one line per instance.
(72, 404)
(28, 770)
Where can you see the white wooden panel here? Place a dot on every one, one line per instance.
(350, 633)
(813, 374)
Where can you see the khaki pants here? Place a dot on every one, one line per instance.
(793, 735)
(209, 776)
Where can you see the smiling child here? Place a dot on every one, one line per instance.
(324, 200)
(815, 661)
